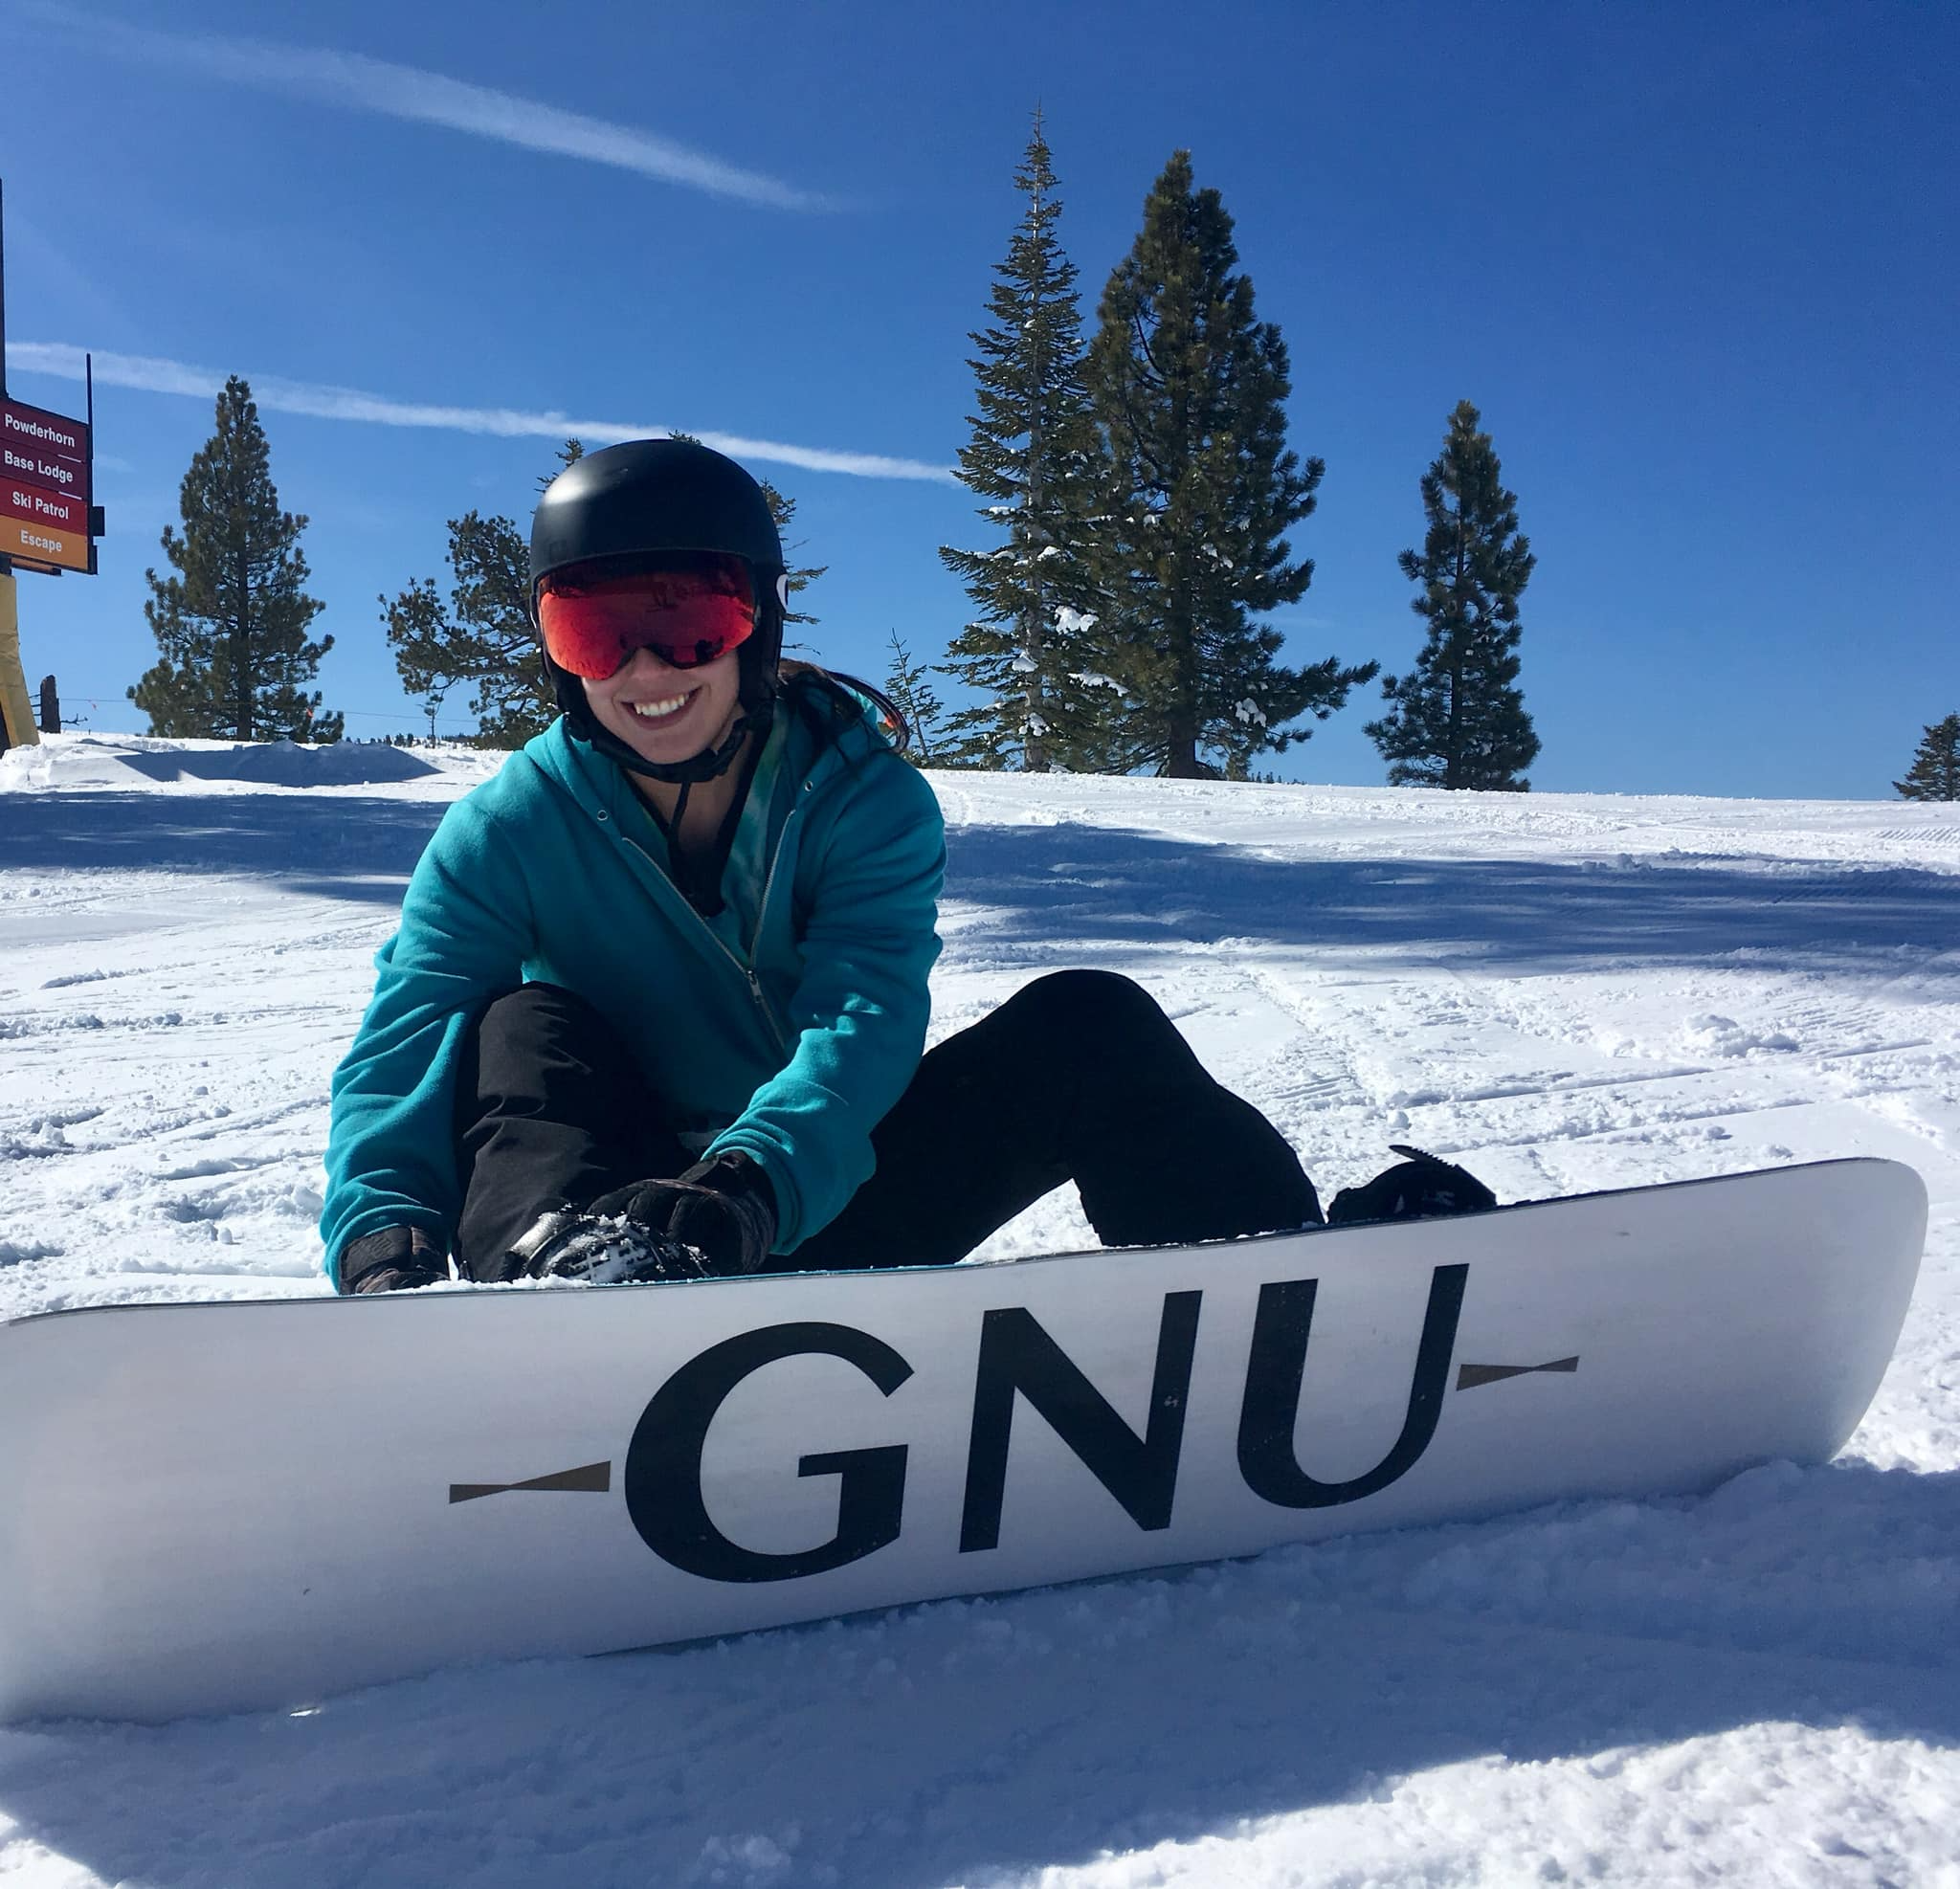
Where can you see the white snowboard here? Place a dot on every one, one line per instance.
(206, 1509)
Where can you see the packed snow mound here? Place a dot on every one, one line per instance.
(112, 762)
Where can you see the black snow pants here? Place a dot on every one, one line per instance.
(1077, 1077)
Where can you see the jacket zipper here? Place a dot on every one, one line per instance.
(747, 966)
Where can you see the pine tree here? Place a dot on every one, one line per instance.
(910, 688)
(483, 636)
(1032, 650)
(1935, 771)
(1459, 717)
(1189, 389)
(230, 624)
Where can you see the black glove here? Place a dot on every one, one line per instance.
(1414, 1188)
(723, 1208)
(395, 1259)
(718, 1219)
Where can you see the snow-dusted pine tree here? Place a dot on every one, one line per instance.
(1030, 651)
(234, 658)
(1190, 391)
(1459, 717)
(1935, 771)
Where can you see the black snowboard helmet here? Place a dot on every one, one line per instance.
(645, 503)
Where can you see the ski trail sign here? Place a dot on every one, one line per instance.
(219, 1508)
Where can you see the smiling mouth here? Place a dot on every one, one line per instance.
(664, 710)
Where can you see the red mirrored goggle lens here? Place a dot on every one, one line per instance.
(685, 618)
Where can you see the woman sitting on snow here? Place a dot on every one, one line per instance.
(657, 1005)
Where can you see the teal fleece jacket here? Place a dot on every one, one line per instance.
(786, 1026)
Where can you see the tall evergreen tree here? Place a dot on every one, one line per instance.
(1459, 717)
(1190, 391)
(231, 623)
(1935, 771)
(1033, 457)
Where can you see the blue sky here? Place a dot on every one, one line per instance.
(1696, 265)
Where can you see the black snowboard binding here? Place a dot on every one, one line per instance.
(601, 1249)
(1420, 1187)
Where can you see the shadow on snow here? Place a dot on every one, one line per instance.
(351, 846)
(1109, 896)
(283, 764)
(969, 1740)
(1116, 892)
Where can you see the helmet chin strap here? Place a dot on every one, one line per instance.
(706, 765)
(758, 711)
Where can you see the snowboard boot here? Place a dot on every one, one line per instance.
(1417, 1187)
(601, 1249)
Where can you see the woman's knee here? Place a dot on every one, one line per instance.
(539, 1026)
(541, 1010)
(1090, 1002)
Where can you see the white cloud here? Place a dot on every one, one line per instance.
(345, 402)
(356, 82)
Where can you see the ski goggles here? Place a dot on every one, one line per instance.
(687, 618)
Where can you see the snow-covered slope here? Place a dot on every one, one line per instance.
(1564, 992)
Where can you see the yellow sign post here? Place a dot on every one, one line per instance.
(21, 731)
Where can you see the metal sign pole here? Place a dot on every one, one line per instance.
(3, 288)
(9, 615)
(16, 712)
(92, 522)
(5, 564)
(49, 520)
